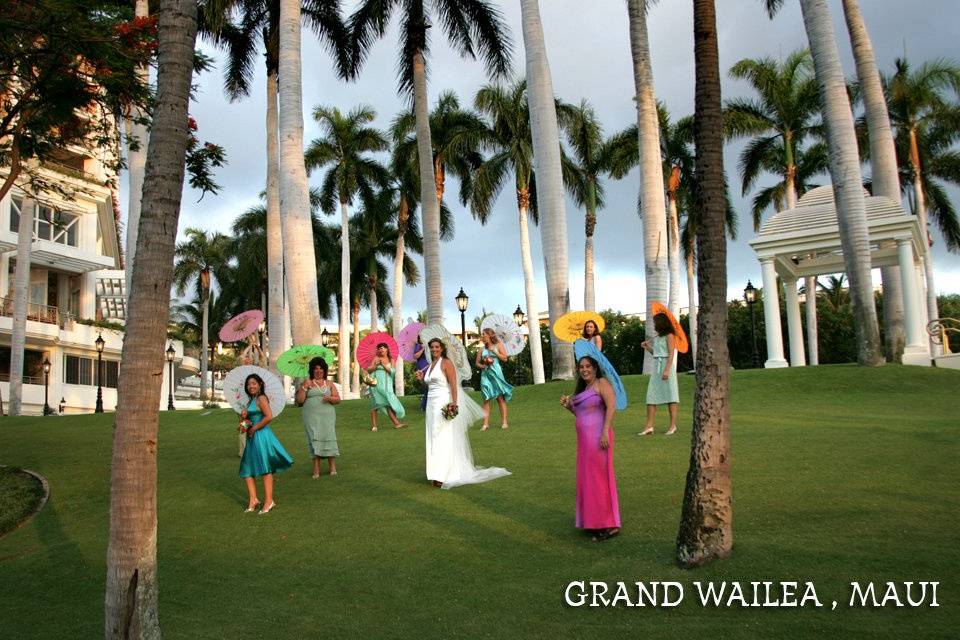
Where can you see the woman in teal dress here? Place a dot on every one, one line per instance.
(662, 388)
(317, 397)
(492, 383)
(264, 455)
(382, 396)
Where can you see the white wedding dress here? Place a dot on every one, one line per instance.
(449, 457)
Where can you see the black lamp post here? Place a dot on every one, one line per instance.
(518, 318)
(750, 296)
(324, 337)
(261, 330)
(46, 387)
(462, 300)
(99, 343)
(171, 353)
(63, 406)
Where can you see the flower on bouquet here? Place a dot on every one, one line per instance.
(449, 411)
(244, 426)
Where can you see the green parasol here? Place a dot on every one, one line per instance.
(295, 362)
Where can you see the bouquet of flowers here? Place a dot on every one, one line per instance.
(449, 411)
(244, 426)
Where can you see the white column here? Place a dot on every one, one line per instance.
(813, 348)
(771, 316)
(794, 324)
(916, 350)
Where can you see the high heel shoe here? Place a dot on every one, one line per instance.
(267, 509)
(504, 426)
(253, 508)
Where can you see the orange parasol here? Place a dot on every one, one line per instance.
(682, 345)
(569, 326)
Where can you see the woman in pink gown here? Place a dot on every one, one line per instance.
(594, 404)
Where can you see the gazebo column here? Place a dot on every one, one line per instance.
(794, 324)
(813, 348)
(771, 316)
(916, 350)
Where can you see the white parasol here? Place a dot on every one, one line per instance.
(235, 393)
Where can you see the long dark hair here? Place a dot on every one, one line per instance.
(596, 329)
(581, 383)
(318, 362)
(263, 387)
(443, 347)
(387, 347)
(662, 324)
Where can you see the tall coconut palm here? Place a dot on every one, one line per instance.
(652, 199)
(846, 177)
(198, 259)
(511, 146)
(592, 158)
(130, 600)
(21, 301)
(883, 165)
(548, 165)
(472, 27)
(706, 520)
(346, 146)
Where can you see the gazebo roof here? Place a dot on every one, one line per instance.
(805, 241)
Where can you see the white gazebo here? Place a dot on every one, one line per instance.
(805, 241)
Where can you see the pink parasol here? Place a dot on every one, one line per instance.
(367, 349)
(241, 325)
(407, 340)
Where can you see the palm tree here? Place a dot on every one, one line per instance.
(706, 520)
(472, 27)
(137, 135)
(834, 292)
(593, 157)
(652, 199)
(511, 146)
(130, 600)
(198, 260)
(21, 300)
(346, 145)
(926, 122)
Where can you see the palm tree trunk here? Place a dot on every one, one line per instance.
(550, 192)
(530, 290)
(351, 356)
(428, 197)
(136, 160)
(921, 201)
(374, 307)
(589, 293)
(652, 206)
(275, 310)
(673, 255)
(402, 217)
(344, 349)
(130, 602)
(205, 340)
(299, 257)
(883, 164)
(692, 304)
(706, 521)
(21, 302)
(845, 174)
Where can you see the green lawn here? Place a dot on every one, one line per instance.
(20, 493)
(840, 474)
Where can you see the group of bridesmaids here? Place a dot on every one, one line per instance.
(593, 404)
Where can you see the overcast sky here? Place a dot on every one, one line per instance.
(588, 46)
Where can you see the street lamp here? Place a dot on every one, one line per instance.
(518, 316)
(262, 329)
(99, 343)
(462, 300)
(750, 296)
(63, 406)
(171, 353)
(46, 387)
(324, 337)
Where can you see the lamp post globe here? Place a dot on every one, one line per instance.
(518, 316)
(750, 297)
(46, 387)
(99, 343)
(171, 354)
(462, 300)
(324, 337)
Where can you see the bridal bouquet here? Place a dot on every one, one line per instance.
(449, 412)
(244, 426)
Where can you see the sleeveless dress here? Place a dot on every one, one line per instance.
(598, 506)
(382, 394)
(660, 391)
(320, 424)
(449, 457)
(264, 453)
(492, 382)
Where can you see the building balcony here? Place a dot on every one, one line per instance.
(36, 312)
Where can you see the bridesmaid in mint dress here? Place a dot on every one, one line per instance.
(594, 404)
(264, 455)
(317, 396)
(662, 388)
(493, 384)
(382, 396)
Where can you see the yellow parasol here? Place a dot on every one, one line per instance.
(569, 326)
(681, 337)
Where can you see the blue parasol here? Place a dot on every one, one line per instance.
(583, 348)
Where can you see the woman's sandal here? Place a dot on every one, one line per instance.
(484, 427)
(253, 508)
(606, 534)
(672, 431)
(646, 432)
(504, 426)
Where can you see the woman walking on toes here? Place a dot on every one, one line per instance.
(492, 383)
(662, 388)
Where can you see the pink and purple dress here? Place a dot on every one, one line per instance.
(597, 503)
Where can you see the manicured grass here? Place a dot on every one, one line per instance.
(840, 474)
(20, 493)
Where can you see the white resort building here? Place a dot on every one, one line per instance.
(76, 283)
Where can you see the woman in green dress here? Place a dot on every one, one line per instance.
(492, 383)
(382, 396)
(317, 396)
(662, 388)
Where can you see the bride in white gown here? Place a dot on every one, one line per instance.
(449, 457)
